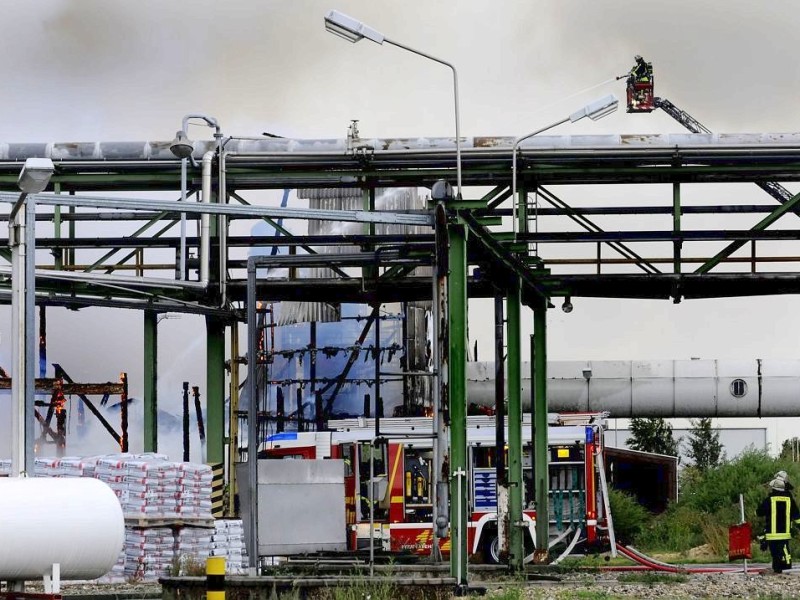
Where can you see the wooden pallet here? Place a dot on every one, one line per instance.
(145, 522)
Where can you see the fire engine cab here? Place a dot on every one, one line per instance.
(401, 464)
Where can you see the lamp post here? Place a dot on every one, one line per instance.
(182, 147)
(594, 110)
(354, 30)
(33, 179)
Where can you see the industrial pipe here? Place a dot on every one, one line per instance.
(205, 219)
(659, 388)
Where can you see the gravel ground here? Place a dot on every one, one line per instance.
(609, 585)
(577, 586)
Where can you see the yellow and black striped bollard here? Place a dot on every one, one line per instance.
(215, 578)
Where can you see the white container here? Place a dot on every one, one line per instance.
(77, 523)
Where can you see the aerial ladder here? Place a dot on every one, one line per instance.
(641, 99)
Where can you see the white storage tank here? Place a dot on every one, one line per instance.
(75, 522)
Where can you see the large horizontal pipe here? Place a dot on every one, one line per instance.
(243, 146)
(659, 388)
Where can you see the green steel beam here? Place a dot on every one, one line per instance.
(762, 224)
(541, 473)
(503, 260)
(516, 555)
(150, 381)
(457, 399)
(215, 408)
(497, 196)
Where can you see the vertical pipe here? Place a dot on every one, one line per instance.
(17, 241)
(280, 410)
(182, 249)
(676, 227)
(501, 496)
(123, 401)
(541, 478)
(300, 415)
(215, 410)
(515, 481)
(186, 453)
(252, 418)
(457, 396)
(150, 381)
(441, 423)
(201, 428)
(30, 332)
(405, 362)
(233, 420)
(205, 219)
(58, 255)
(312, 366)
(318, 416)
(377, 356)
(42, 341)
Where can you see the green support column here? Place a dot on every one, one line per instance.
(457, 392)
(516, 553)
(541, 472)
(150, 381)
(215, 410)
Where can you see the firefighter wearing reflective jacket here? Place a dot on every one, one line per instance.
(780, 511)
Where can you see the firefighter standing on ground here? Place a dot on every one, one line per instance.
(780, 511)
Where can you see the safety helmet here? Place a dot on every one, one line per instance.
(781, 475)
(777, 484)
(637, 58)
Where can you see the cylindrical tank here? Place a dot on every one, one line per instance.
(76, 522)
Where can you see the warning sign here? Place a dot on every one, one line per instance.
(739, 541)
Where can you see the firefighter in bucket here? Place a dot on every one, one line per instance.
(640, 86)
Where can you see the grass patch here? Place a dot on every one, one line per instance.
(651, 578)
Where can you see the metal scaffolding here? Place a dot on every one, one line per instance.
(560, 248)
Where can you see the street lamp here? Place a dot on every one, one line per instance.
(33, 179)
(594, 110)
(182, 147)
(353, 30)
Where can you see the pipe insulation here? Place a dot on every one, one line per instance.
(75, 522)
(658, 388)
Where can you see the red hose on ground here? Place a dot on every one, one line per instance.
(650, 563)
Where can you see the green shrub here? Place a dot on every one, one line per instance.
(708, 505)
(628, 515)
(676, 530)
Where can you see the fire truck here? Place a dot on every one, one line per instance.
(398, 515)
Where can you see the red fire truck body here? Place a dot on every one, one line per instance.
(400, 469)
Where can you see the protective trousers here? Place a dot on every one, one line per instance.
(781, 558)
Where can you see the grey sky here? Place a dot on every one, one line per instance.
(111, 70)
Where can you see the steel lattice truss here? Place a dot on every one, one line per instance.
(607, 216)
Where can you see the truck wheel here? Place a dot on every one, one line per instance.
(491, 549)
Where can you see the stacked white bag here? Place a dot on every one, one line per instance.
(195, 490)
(149, 553)
(151, 487)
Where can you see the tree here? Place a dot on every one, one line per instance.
(790, 449)
(705, 448)
(653, 435)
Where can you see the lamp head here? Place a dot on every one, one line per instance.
(567, 306)
(597, 109)
(181, 146)
(35, 175)
(442, 190)
(349, 28)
